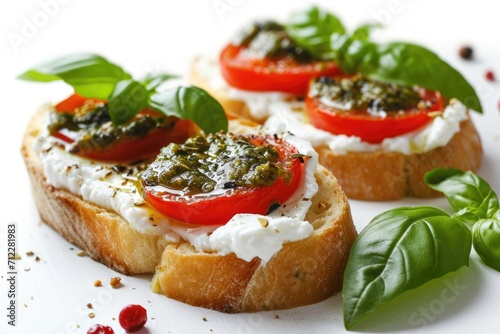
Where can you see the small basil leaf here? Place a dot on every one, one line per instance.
(410, 64)
(363, 31)
(486, 241)
(356, 55)
(90, 75)
(312, 29)
(469, 215)
(153, 81)
(400, 250)
(194, 104)
(469, 195)
(127, 99)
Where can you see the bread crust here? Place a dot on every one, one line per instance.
(378, 176)
(224, 283)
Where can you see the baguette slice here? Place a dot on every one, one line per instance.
(301, 273)
(379, 175)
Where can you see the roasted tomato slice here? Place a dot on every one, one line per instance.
(226, 179)
(370, 110)
(85, 126)
(281, 74)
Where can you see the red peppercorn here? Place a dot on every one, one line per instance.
(133, 317)
(100, 329)
(490, 76)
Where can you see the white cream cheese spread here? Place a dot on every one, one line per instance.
(435, 134)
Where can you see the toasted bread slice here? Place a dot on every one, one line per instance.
(301, 273)
(376, 175)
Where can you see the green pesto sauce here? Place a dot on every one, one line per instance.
(360, 93)
(218, 161)
(269, 40)
(95, 131)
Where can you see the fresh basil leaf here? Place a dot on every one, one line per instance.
(400, 250)
(363, 32)
(153, 81)
(194, 104)
(404, 64)
(355, 56)
(90, 75)
(410, 64)
(469, 195)
(127, 99)
(311, 30)
(486, 241)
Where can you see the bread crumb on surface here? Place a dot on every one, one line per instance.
(97, 283)
(89, 305)
(30, 253)
(81, 253)
(91, 315)
(115, 282)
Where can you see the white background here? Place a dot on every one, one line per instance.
(159, 35)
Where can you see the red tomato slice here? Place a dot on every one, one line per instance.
(266, 75)
(371, 129)
(73, 102)
(135, 149)
(126, 150)
(219, 208)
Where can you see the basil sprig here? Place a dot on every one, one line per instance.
(397, 62)
(474, 203)
(403, 248)
(93, 76)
